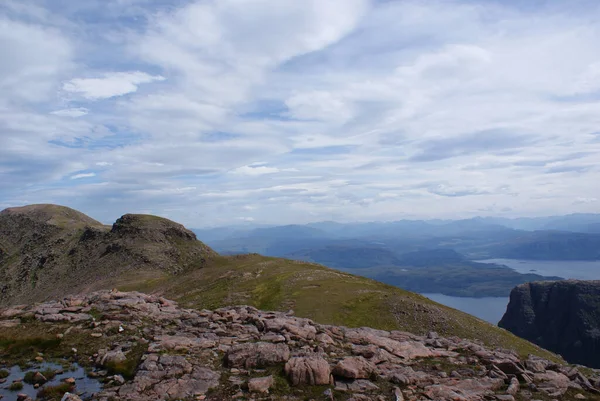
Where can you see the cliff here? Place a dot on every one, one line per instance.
(561, 316)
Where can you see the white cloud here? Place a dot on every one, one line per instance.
(82, 175)
(73, 112)
(258, 170)
(110, 84)
(34, 57)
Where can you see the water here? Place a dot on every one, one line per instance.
(490, 309)
(85, 386)
(581, 270)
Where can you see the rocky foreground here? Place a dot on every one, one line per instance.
(147, 348)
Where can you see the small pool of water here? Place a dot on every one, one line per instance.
(85, 386)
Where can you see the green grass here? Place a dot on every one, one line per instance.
(16, 386)
(96, 314)
(23, 346)
(128, 367)
(52, 393)
(29, 377)
(49, 373)
(4, 373)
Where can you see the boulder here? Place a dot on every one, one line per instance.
(354, 368)
(313, 370)
(260, 384)
(553, 383)
(256, 355)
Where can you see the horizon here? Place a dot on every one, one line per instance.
(278, 112)
(258, 224)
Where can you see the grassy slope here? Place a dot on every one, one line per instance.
(322, 294)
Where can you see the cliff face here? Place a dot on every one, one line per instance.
(561, 316)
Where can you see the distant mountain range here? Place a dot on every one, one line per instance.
(424, 255)
(571, 237)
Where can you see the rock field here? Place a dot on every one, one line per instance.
(151, 349)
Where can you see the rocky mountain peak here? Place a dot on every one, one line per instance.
(151, 228)
(49, 214)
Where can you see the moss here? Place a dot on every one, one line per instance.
(4, 373)
(281, 385)
(29, 377)
(128, 367)
(96, 314)
(18, 348)
(16, 386)
(52, 393)
(49, 373)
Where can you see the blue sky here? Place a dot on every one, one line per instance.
(284, 111)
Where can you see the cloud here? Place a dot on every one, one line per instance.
(356, 109)
(488, 141)
(34, 58)
(110, 84)
(256, 170)
(580, 200)
(445, 190)
(82, 175)
(567, 169)
(74, 112)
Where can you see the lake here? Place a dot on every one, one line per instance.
(576, 269)
(492, 309)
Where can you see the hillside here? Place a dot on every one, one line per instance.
(130, 346)
(48, 250)
(43, 259)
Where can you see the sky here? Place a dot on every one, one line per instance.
(223, 112)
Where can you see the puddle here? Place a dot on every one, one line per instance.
(85, 386)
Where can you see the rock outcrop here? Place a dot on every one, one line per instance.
(148, 348)
(561, 316)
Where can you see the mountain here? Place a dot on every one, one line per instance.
(51, 251)
(348, 256)
(141, 347)
(431, 257)
(577, 222)
(561, 316)
(548, 245)
(46, 250)
(477, 238)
